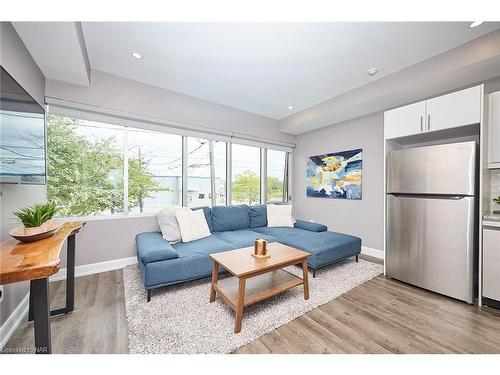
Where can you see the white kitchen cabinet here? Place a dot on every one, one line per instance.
(491, 263)
(404, 121)
(494, 133)
(453, 110)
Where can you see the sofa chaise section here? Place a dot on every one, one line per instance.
(325, 247)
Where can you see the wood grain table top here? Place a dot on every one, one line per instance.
(34, 260)
(240, 262)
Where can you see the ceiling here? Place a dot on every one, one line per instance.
(318, 68)
(265, 68)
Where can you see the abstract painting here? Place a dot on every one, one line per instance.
(336, 175)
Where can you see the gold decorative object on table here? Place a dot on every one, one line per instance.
(260, 249)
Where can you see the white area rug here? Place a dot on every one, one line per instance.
(180, 319)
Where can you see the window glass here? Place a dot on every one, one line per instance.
(245, 174)
(198, 181)
(154, 170)
(84, 166)
(275, 175)
(220, 172)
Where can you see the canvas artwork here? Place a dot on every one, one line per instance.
(336, 175)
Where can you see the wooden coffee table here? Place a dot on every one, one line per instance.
(256, 279)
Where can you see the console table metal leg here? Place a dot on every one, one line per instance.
(39, 290)
(70, 277)
(70, 283)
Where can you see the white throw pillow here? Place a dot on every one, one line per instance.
(279, 215)
(193, 225)
(168, 223)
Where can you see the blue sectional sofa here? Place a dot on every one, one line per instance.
(234, 227)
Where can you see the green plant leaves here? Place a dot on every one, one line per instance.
(36, 215)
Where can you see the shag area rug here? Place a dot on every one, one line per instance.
(180, 319)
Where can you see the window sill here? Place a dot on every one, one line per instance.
(105, 217)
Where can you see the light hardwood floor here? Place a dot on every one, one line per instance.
(380, 316)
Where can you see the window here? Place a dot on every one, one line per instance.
(220, 172)
(245, 174)
(276, 161)
(199, 187)
(95, 168)
(154, 170)
(84, 166)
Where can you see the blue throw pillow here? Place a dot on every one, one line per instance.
(230, 217)
(258, 216)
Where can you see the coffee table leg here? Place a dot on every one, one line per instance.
(239, 306)
(215, 278)
(305, 278)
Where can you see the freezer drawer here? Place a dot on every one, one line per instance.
(491, 263)
(443, 169)
(430, 243)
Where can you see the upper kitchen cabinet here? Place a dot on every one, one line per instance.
(453, 110)
(456, 109)
(404, 121)
(494, 133)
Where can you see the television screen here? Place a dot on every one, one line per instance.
(22, 134)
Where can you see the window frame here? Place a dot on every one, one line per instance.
(126, 127)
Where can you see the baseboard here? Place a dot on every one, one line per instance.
(90, 269)
(375, 253)
(13, 321)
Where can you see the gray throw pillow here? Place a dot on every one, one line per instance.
(168, 223)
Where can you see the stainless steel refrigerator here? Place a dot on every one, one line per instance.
(431, 218)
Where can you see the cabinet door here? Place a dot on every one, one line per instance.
(404, 121)
(491, 263)
(453, 110)
(494, 125)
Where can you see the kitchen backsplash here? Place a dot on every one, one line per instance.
(495, 188)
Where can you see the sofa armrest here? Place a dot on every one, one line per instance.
(312, 227)
(151, 247)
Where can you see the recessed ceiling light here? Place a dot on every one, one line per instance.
(475, 24)
(372, 71)
(136, 55)
(290, 107)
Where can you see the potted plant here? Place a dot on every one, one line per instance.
(36, 219)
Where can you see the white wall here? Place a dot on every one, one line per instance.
(363, 218)
(120, 94)
(105, 239)
(15, 58)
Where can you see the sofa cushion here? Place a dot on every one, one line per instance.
(325, 247)
(168, 223)
(206, 211)
(176, 271)
(193, 225)
(279, 215)
(203, 246)
(312, 227)
(243, 237)
(230, 218)
(151, 247)
(258, 216)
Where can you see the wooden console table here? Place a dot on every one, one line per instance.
(36, 262)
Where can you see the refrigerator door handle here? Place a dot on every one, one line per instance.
(429, 196)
